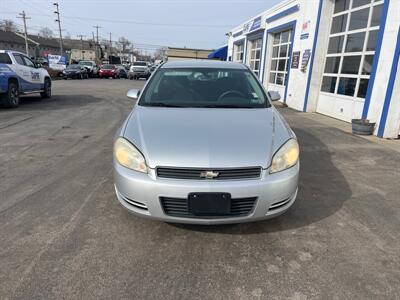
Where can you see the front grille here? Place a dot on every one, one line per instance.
(198, 173)
(178, 207)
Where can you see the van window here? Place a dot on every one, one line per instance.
(5, 59)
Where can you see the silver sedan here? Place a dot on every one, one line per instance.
(204, 145)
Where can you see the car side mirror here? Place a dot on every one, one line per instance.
(133, 94)
(274, 95)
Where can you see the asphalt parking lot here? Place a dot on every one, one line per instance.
(64, 235)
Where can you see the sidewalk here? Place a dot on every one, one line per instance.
(393, 144)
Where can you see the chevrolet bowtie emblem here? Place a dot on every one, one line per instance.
(209, 174)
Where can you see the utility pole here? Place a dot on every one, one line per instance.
(81, 36)
(57, 12)
(24, 17)
(110, 44)
(97, 33)
(97, 41)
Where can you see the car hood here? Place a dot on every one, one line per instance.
(206, 138)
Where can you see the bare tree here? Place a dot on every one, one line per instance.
(46, 32)
(8, 25)
(159, 53)
(123, 44)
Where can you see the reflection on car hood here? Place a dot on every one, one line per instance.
(206, 138)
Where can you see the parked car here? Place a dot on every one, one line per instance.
(75, 72)
(121, 72)
(205, 145)
(107, 71)
(152, 68)
(19, 75)
(139, 69)
(90, 66)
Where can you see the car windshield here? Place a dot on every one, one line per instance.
(86, 63)
(143, 64)
(74, 67)
(108, 67)
(204, 87)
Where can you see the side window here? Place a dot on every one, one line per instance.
(28, 62)
(19, 59)
(5, 59)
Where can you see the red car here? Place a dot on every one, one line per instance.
(107, 71)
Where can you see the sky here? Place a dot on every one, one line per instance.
(148, 24)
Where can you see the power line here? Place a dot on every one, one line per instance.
(183, 25)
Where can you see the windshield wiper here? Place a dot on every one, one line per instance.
(226, 106)
(161, 104)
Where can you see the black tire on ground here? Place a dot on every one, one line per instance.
(130, 77)
(46, 89)
(11, 98)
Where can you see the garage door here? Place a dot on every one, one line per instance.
(349, 58)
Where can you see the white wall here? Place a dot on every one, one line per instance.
(383, 74)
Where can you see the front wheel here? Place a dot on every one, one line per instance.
(47, 89)
(12, 96)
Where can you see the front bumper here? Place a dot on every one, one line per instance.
(138, 73)
(72, 76)
(140, 193)
(107, 74)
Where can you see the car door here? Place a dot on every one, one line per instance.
(35, 76)
(22, 72)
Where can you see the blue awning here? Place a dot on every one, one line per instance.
(220, 53)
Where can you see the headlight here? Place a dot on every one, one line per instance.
(286, 157)
(128, 156)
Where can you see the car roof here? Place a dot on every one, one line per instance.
(203, 63)
(11, 51)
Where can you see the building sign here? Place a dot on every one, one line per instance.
(304, 36)
(57, 62)
(295, 60)
(252, 25)
(305, 30)
(305, 60)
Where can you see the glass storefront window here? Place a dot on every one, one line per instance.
(239, 52)
(255, 55)
(279, 61)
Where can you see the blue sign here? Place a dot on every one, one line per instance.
(304, 36)
(256, 24)
(252, 25)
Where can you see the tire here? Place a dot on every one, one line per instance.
(46, 89)
(130, 78)
(11, 98)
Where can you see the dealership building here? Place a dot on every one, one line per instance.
(339, 58)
